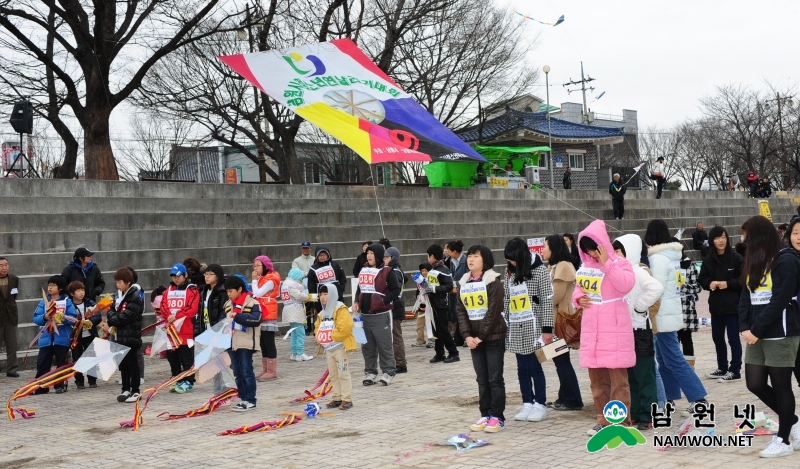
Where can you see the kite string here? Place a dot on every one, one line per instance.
(579, 210)
(375, 188)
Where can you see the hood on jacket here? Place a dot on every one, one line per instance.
(489, 276)
(671, 250)
(132, 290)
(597, 232)
(332, 303)
(378, 251)
(87, 269)
(633, 247)
(324, 249)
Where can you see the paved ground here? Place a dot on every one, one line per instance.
(388, 427)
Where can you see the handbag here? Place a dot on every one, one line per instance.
(643, 341)
(568, 327)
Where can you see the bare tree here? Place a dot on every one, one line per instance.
(150, 148)
(335, 160)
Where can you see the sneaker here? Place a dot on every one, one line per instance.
(524, 412)
(123, 396)
(438, 358)
(494, 425)
(401, 369)
(92, 385)
(303, 357)
(60, 390)
(794, 434)
(430, 345)
(593, 431)
(690, 411)
(538, 413)
(730, 377)
(452, 359)
(716, 374)
(243, 406)
(642, 426)
(174, 387)
(479, 425)
(292, 358)
(563, 407)
(133, 397)
(184, 387)
(80, 386)
(776, 448)
(418, 345)
(333, 404)
(386, 379)
(369, 379)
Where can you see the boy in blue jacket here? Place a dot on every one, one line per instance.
(56, 329)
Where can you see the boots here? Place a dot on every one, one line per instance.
(270, 366)
(690, 360)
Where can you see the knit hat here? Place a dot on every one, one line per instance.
(296, 274)
(218, 271)
(394, 253)
(267, 263)
(59, 281)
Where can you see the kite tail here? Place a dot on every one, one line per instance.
(51, 378)
(138, 420)
(210, 406)
(262, 426)
(321, 379)
(151, 326)
(324, 386)
(174, 337)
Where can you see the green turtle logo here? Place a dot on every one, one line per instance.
(615, 434)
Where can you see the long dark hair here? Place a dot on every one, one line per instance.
(657, 233)
(763, 245)
(713, 256)
(517, 250)
(559, 251)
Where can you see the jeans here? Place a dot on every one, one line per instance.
(569, 391)
(487, 359)
(660, 393)
(242, 366)
(675, 372)
(298, 339)
(730, 323)
(529, 368)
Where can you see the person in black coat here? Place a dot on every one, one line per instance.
(720, 274)
(212, 300)
(700, 240)
(392, 258)
(326, 271)
(83, 269)
(126, 319)
(567, 181)
(361, 259)
(617, 190)
(575, 257)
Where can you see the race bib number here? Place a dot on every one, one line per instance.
(475, 299)
(763, 293)
(366, 279)
(176, 299)
(433, 278)
(286, 297)
(519, 304)
(61, 309)
(326, 274)
(591, 282)
(324, 333)
(680, 277)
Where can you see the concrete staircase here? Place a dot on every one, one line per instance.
(150, 226)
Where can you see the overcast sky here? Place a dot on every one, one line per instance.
(660, 57)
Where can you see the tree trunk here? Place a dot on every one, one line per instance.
(98, 158)
(290, 157)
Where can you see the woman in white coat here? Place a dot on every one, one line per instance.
(664, 254)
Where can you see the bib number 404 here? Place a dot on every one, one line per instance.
(588, 285)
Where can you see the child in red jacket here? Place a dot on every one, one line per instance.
(180, 301)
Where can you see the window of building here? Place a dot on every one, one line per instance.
(576, 161)
(311, 173)
(379, 176)
(543, 157)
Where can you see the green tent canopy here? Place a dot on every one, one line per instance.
(458, 174)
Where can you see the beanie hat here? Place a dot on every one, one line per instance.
(394, 253)
(296, 274)
(266, 262)
(218, 271)
(58, 281)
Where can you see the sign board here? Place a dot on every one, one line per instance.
(497, 182)
(763, 209)
(232, 176)
(559, 161)
(536, 245)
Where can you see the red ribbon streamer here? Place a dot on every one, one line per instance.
(138, 419)
(213, 404)
(51, 378)
(262, 426)
(324, 383)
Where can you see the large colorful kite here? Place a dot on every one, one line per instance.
(336, 87)
(560, 20)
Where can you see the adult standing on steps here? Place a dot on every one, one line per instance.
(9, 317)
(659, 175)
(440, 285)
(83, 269)
(305, 260)
(567, 181)
(377, 289)
(617, 190)
(456, 261)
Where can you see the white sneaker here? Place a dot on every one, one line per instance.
(304, 358)
(538, 413)
(794, 435)
(243, 406)
(593, 431)
(776, 449)
(123, 396)
(292, 358)
(386, 379)
(524, 412)
(132, 397)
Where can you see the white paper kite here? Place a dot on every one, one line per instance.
(101, 359)
(219, 364)
(212, 342)
(162, 340)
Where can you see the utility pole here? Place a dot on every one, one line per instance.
(583, 81)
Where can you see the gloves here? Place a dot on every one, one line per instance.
(430, 289)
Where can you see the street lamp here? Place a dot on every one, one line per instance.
(546, 70)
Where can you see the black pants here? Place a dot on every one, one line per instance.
(659, 186)
(44, 360)
(618, 205)
(267, 342)
(129, 368)
(773, 385)
(458, 339)
(443, 338)
(180, 360)
(487, 359)
(685, 338)
(81, 347)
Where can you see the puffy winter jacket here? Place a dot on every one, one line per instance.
(777, 315)
(293, 297)
(91, 277)
(646, 289)
(216, 308)
(398, 305)
(339, 278)
(64, 327)
(606, 328)
(722, 301)
(181, 307)
(665, 264)
(126, 318)
(492, 326)
(440, 279)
